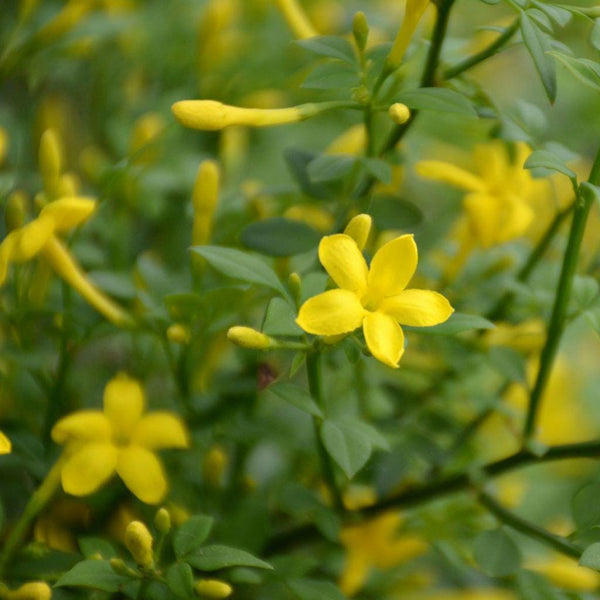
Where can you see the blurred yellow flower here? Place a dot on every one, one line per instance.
(527, 337)
(497, 204)
(296, 19)
(34, 590)
(471, 594)
(412, 15)
(565, 573)
(374, 298)
(119, 440)
(5, 445)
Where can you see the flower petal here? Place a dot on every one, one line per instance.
(67, 213)
(88, 468)
(123, 404)
(26, 242)
(517, 217)
(142, 473)
(417, 308)
(82, 426)
(331, 313)
(5, 445)
(344, 262)
(392, 267)
(359, 229)
(160, 430)
(451, 174)
(384, 337)
(484, 214)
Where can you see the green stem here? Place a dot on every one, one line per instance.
(558, 319)
(486, 53)
(313, 368)
(530, 529)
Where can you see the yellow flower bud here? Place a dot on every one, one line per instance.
(204, 199)
(399, 113)
(139, 543)
(179, 334)
(213, 588)
(412, 15)
(359, 229)
(214, 464)
(296, 19)
(360, 30)
(295, 285)
(246, 337)
(50, 158)
(16, 210)
(210, 115)
(162, 520)
(145, 132)
(35, 590)
(351, 141)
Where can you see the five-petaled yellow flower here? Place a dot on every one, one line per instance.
(374, 298)
(119, 440)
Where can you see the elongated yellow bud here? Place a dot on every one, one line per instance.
(35, 590)
(204, 199)
(16, 210)
(210, 115)
(351, 141)
(399, 113)
(359, 229)
(5, 445)
(213, 588)
(65, 266)
(360, 30)
(162, 520)
(412, 15)
(50, 158)
(246, 337)
(296, 19)
(214, 464)
(139, 543)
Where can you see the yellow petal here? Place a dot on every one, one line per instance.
(142, 473)
(30, 239)
(160, 430)
(450, 174)
(392, 267)
(69, 212)
(123, 404)
(331, 313)
(516, 218)
(82, 426)
(384, 338)
(355, 572)
(484, 213)
(5, 445)
(418, 308)
(344, 262)
(491, 161)
(359, 229)
(88, 468)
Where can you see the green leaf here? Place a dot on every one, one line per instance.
(496, 553)
(278, 236)
(585, 507)
(585, 70)
(585, 291)
(329, 167)
(312, 589)
(240, 265)
(329, 46)
(591, 557)
(191, 534)
(378, 168)
(509, 363)
(213, 558)
(595, 35)
(538, 44)
(280, 319)
(94, 574)
(559, 15)
(392, 212)
(457, 323)
(295, 395)
(542, 159)
(437, 99)
(180, 579)
(118, 285)
(533, 586)
(297, 161)
(348, 447)
(331, 76)
(92, 547)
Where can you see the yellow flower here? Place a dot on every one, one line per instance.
(119, 440)
(296, 19)
(497, 205)
(34, 590)
(472, 594)
(375, 544)
(565, 573)
(412, 15)
(374, 298)
(40, 237)
(5, 445)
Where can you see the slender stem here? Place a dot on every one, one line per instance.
(558, 319)
(530, 529)
(486, 53)
(313, 367)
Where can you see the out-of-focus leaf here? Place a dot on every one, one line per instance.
(331, 75)
(180, 579)
(496, 553)
(393, 212)
(585, 70)
(457, 323)
(437, 99)
(94, 574)
(329, 167)
(312, 589)
(330, 46)
(280, 319)
(585, 507)
(278, 236)
(213, 558)
(296, 396)
(191, 535)
(538, 44)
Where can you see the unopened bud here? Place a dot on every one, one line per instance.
(118, 566)
(213, 588)
(179, 334)
(50, 158)
(246, 337)
(16, 210)
(204, 200)
(359, 229)
(399, 113)
(214, 464)
(162, 521)
(295, 285)
(35, 590)
(360, 30)
(139, 543)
